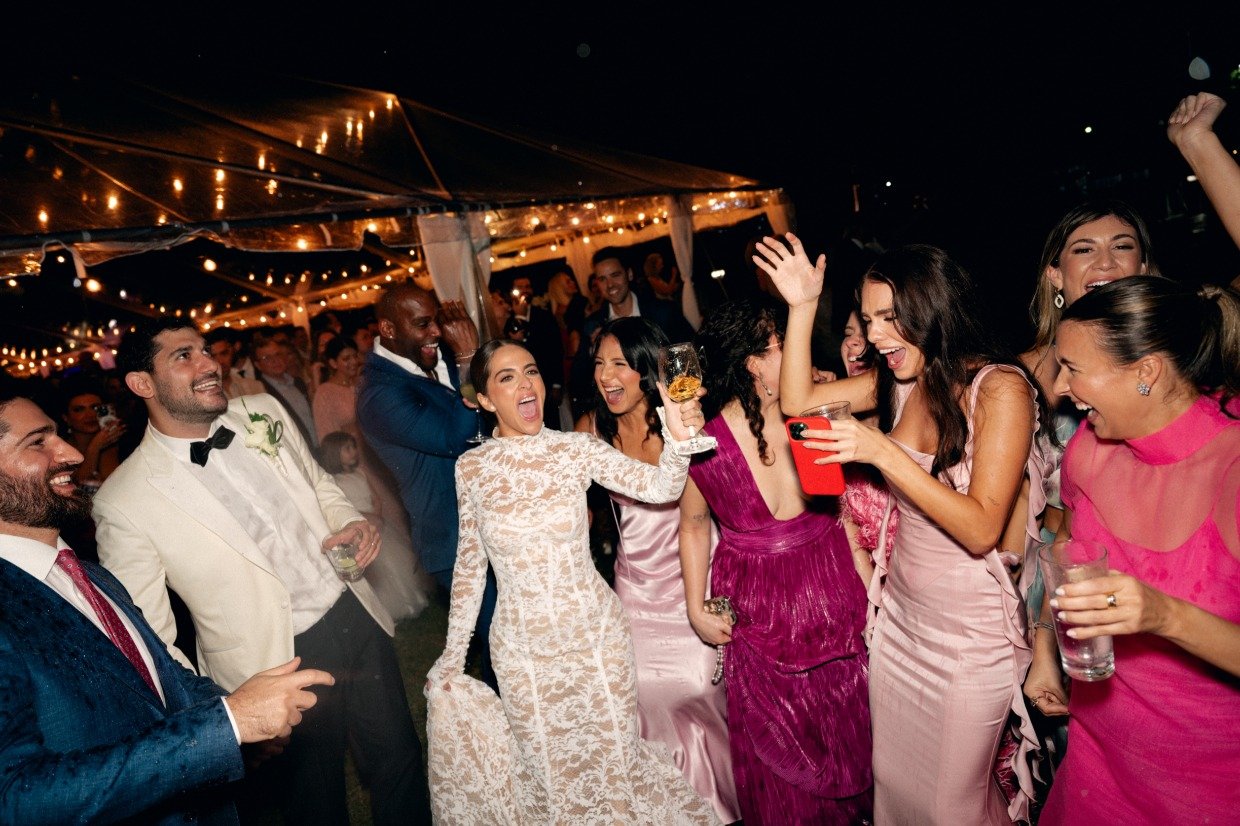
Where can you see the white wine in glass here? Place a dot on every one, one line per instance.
(682, 376)
(468, 392)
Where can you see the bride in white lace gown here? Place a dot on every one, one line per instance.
(562, 744)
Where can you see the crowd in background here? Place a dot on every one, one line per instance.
(761, 655)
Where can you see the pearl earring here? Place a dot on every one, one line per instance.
(1059, 300)
(1143, 389)
(764, 387)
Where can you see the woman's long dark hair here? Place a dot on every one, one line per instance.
(936, 310)
(730, 334)
(640, 340)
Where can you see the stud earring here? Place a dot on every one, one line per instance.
(1143, 389)
(764, 387)
(1059, 300)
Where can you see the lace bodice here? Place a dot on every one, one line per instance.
(522, 506)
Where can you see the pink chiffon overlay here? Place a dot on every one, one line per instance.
(1158, 742)
(948, 656)
(795, 670)
(676, 703)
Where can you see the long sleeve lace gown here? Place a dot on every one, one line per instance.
(561, 743)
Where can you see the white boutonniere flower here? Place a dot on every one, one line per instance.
(263, 433)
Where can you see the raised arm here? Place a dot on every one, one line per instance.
(800, 284)
(1191, 128)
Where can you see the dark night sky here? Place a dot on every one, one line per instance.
(975, 113)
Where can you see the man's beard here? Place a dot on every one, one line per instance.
(31, 502)
(189, 409)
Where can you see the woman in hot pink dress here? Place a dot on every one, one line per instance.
(676, 703)
(1154, 475)
(957, 437)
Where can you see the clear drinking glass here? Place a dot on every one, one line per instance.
(343, 557)
(1064, 562)
(682, 376)
(468, 392)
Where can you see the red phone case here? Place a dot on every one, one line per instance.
(816, 480)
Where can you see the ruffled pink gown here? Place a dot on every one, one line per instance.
(947, 660)
(676, 704)
(1159, 741)
(795, 670)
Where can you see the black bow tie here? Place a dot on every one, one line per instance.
(198, 451)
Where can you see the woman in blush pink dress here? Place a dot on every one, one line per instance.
(676, 702)
(959, 421)
(1153, 475)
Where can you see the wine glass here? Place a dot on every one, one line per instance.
(468, 392)
(682, 376)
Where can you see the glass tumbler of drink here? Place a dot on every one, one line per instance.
(343, 557)
(1065, 562)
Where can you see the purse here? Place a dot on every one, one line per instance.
(722, 607)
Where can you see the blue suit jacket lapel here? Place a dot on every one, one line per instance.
(82, 634)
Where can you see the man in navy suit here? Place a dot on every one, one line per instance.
(410, 409)
(97, 722)
(615, 280)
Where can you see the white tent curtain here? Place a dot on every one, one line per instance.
(680, 217)
(457, 253)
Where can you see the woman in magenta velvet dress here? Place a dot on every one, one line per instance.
(1154, 475)
(676, 703)
(795, 661)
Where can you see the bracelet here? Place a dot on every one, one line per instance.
(1045, 625)
(466, 356)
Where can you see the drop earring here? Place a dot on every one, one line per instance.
(1143, 389)
(764, 387)
(1059, 300)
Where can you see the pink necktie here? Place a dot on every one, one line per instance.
(116, 630)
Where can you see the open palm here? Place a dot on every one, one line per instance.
(798, 281)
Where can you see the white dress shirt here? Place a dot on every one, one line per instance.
(243, 480)
(441, 367)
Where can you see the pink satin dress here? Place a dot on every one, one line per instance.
(947, 659)
(676, 704)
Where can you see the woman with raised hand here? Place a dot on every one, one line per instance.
(794, 661)
(1153, 475)
(560, 744)
(1191, 128)
(676, 702)
(958, 421)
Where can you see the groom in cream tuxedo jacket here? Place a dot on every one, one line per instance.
(224, 503)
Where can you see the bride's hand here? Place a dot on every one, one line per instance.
(683, 419)
(798, 281)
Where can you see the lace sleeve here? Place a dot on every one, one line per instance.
(632, 477)
(468, 582)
